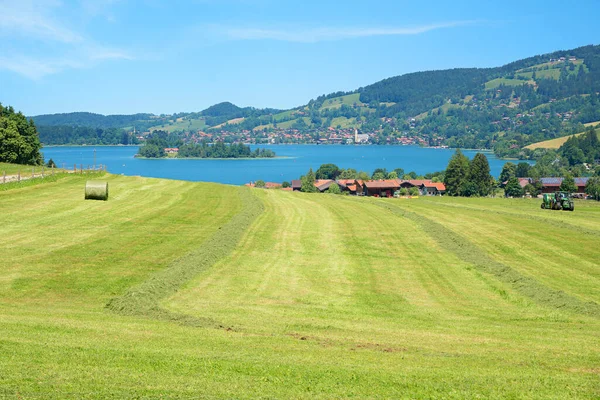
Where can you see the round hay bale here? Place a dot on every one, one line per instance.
(96, 190)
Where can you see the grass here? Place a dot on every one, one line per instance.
(495, 83)
(25, 170)
(337, 102)
(181, 124)
(557, 142)
(274, 294)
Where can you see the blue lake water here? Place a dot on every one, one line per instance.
(297, 160)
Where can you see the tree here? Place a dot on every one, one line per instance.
(513, 188)
(508, 171)
(378, 175)
(51, 164)
(592, 187)
(479, 176)
(327, 171)
(568, 184)
(19, 139)
(392, 175)
(413, 191)
(334, 188)
(362, 175)
(260, 183)
(522, 170)
(349, 173)
(456, 173)
(308, 182)
(285, 184)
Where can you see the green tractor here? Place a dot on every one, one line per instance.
(558, 201)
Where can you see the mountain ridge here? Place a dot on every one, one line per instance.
(502, 108)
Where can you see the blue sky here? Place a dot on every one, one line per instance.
(123, 56)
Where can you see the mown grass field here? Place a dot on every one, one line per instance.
(222, 291)
(181, 125)
(557, 142)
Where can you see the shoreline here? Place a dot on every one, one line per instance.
(216, 159)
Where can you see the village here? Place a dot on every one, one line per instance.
(410, 187)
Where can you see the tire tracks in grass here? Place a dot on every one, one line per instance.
(472, 254)
(144, 299)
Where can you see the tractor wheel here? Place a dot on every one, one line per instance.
(542, 205)
(572, 207)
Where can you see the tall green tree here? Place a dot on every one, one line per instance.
(523, 170)
(308, 182)
(568, 184)
(19, 139)
(508, 171)
(592, 187)
(328, 171)
(456, 173)
(479, 175)
(513, 189)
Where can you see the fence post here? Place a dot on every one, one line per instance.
(32, 172)
(74, 168)
(42, 172)
(19, 176)
(4, 177)
(53, 170)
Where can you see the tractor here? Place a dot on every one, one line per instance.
(558, 201)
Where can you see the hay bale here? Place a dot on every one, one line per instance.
(96, 190)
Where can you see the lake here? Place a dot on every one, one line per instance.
(295, 161)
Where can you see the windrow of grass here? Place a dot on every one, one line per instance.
(471, 253)
(144, 299)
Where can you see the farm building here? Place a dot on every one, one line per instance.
(432, 189)
(550, 185)
(381, 188)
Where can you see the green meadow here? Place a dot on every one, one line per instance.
(176, 289)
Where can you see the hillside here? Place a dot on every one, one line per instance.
(556, 143)
(291, 295)
(504, 108)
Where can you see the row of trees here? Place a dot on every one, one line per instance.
(19, 140)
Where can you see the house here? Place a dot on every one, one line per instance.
(432, 189)
(550, 185)
(296, 184)
(381, 188)
(323, 184)
(171, 150)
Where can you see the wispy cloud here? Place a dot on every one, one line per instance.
(31, 25)
(29, 19)
(314, 35)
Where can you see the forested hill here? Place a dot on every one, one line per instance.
(503, 108)
(90, 120)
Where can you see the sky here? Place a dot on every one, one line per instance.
(163, 57)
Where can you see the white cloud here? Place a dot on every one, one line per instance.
(29, 19)
(30, 25)
(330, 34)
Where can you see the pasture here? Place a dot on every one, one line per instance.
(557, 142)
(176, 289)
